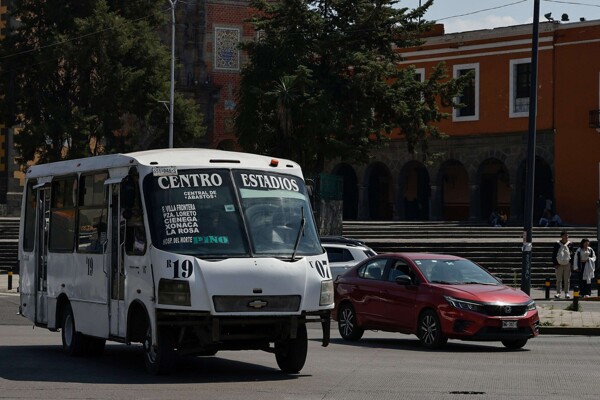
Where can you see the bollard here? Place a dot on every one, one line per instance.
(547, 285)
(576, 298)
(10, 274)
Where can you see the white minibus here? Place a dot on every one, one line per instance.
(186, 251)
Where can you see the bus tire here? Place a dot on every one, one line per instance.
(73, 342)
(291, 354)
(160, 357)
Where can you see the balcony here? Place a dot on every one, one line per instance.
(595, 119)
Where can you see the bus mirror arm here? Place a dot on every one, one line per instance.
(104, 247)
(300, 232)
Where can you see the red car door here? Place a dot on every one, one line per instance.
(366, 292)
(399, 300)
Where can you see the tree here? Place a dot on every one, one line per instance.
(323, 80)
(84, 77)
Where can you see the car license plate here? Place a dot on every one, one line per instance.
(509, 324)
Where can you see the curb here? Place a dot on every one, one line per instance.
(568, 330)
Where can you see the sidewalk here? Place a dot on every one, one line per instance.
(554, 316)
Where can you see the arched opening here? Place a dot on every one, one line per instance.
(543, 188)
(494, 188)
(350, 190)
(415, 189)
(454, 183)
(379, 192)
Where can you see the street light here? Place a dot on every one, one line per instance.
(172, 97)
(529, 184)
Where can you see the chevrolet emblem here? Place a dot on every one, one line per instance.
(257, 304)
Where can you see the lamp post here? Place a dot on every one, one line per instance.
(172, 96)
(529, 184)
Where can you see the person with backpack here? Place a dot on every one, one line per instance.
(584, 261)
(561, 258)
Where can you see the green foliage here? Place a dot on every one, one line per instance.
(323, 80)
(84, 77)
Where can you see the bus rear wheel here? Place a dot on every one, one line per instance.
(291, 354)
(159, 355)
(73, 342)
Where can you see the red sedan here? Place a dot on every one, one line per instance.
(434, 296)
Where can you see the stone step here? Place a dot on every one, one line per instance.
(498, 249)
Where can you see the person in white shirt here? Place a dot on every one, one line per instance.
(584, 261)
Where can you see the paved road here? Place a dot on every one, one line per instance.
(381, 366)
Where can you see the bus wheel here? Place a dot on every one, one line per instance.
(73, 341)
(291, 354)
(160, 357)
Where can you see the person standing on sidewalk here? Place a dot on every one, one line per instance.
(561, 258)
(584, 262)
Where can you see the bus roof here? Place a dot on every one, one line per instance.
(180, 157)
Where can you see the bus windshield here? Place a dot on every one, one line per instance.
(218, 213)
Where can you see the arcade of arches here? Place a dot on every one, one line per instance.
(458, 188)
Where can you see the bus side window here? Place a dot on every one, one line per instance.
(131, 208)
(93, 213)
(62, 214)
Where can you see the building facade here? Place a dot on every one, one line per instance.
(209, 63)
(208, 33)
(481, 166)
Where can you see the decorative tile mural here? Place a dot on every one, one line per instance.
(227, 54)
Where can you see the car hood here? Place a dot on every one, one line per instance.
(487, 293)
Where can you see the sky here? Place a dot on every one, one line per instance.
(486, 14)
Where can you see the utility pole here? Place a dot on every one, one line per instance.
(172, 97)
(530, 178)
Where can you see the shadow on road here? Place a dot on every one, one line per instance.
(124, 365)
(413, 344)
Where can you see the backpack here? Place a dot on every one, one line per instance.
(564, 255)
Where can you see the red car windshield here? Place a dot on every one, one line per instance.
(455, 272)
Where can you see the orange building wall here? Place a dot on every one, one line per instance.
(577, 146)
(568, 88)
(494, 87)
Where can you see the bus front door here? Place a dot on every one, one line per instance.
(117, 311)
(41, 287)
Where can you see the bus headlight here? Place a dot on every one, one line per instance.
(174, 292)
(326, 293)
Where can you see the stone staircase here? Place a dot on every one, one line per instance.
(9, 239)
(499, 249)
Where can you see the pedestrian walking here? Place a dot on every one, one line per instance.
(584, 264)
(561, 258)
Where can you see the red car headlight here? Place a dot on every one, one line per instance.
(465, 305)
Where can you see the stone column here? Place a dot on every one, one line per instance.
(363, 203)
(516, 206)
(475, 202)
(397, 203)
(435, 211)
